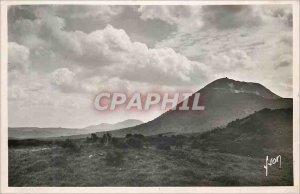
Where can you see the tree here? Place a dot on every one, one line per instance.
(94, 137)
(107, 139)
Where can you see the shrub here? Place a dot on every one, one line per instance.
(139, 136)
(118, 143)
(114, 158)
(163, 146)
(71, 146)
(128, 135)
(134, 143)
(94, 137)
(195, 144)
(146, 144)
(106, 139)
(88, 139)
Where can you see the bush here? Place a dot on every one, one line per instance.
(106, 139)
(128, 135)
(88, 139)
(114, 158)
(195, 144)
(118, 143)
(139, 136)
(94, 137)
(163, 146)
(134, 143)
(71, 146)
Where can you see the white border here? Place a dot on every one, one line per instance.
(261, 189)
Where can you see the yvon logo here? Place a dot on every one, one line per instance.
(271, 162)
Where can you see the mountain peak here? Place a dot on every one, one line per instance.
(230, 85)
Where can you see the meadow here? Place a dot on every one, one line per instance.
(136, 160)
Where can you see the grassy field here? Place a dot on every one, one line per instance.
(90, 163)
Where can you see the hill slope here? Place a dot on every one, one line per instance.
(254, 135)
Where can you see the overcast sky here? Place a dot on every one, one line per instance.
(61, 57)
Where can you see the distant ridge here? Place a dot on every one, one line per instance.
(36, 132)
(119, 125)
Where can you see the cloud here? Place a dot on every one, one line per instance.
(179, 15)
(283, 54)
(230, 61)
(220, 17)
(287, 39)
(281, 12)
(18, 57)
(75, 12)
(230, 16)
(284, 61)
(62, 77)
(165, 66)
(68, 81)
(16, 93)
(108, 52)
(190, 17)
(102, 12)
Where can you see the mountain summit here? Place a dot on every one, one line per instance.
(230, 85)
(224, 99)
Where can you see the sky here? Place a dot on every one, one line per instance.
(61, 56)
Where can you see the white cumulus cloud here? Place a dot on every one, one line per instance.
(18, 57)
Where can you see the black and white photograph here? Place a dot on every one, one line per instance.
(152, 95)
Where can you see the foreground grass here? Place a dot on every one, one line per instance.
(56, 166)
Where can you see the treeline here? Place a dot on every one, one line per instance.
(137, 141)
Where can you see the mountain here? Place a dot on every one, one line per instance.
(254, 135)
(224, 99)
(119, 125)
(101, 127)
(36, 132)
